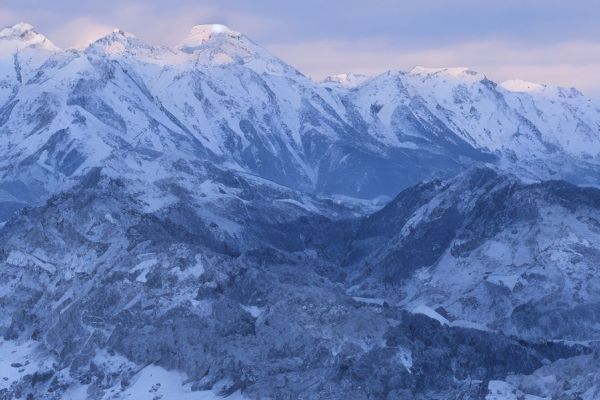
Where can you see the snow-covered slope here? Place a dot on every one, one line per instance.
(137, 109)
(542, 133)
(22, 52)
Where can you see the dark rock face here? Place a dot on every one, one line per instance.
(249, 295)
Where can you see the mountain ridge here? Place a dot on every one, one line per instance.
(383, 120)
(231, 101)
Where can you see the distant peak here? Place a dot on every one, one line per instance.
(201, 34)
(16, 30)
(121, 32)
(116, 42)
(24, 35)
(117, 35)
(518, 85)
(349, 80)
(455, 72)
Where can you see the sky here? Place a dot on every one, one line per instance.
(554, 42)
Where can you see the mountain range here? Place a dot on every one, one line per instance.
(204, 221)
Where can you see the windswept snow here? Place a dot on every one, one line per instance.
(156, 383)
(517, 85)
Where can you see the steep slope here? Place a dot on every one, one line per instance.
(218, 97)
(22, 52)
(99, 106)
(546, 133)
(139, 108)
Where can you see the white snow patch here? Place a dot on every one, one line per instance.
(405, 358)
(508, 281)
(21, 259)
(110, 218)
(144, 266)
(254, 310)
(76, 392)
(498, 390)
(431, 313)
(18, 360)
(154, 382)
(520, 86)
(132, 302)
(369, 300)
(198, 269)
(499, 251)
(305, 206)
(461, 323)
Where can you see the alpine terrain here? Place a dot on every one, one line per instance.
(206, 222)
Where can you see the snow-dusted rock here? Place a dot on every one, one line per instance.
(195, 222)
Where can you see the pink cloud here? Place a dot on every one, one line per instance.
(79, 32)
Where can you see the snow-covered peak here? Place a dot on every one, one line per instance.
(217, 44)
(349, 80)
(117, 35)
(200, 34)
(23, 35)
(120, 32)
(16, 30)
(521, 86)
(120, 42)
(456, 72)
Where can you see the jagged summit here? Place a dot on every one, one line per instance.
(16, 30)
(216, 44)
(23, 35)
(120, 42)
(117, 35)
(121, 32)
